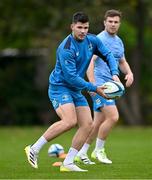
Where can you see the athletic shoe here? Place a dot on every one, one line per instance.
(83, 158)
(31, 156)
(71, 167)
(101, 156)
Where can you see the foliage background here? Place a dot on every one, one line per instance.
(30, 32)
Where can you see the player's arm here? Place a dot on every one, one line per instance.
(71, 76)
(125, 69)
(90, 70)
(67, 59)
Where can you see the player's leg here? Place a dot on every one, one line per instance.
(63, 104)
(96, 125)
(84, 120)
(82, 154)
(111, 116)
(85, 124)
(68, 120)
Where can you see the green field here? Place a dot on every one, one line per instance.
(129, 148)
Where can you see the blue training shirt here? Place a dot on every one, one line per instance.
(73, 58)
(115, 45)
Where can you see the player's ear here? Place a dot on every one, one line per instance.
(104, 22)
(72, 26)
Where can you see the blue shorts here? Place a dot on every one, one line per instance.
(99, 102)
(60, 95)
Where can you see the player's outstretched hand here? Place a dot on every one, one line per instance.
(129, 79)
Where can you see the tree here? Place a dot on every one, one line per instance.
(43, 24)
(130, 105)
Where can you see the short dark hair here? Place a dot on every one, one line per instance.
(80, 17)
(112, 13)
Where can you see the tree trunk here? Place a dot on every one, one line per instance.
(130, 105)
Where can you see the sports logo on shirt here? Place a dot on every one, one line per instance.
(90, 47)
(98, 101)
(65, 97)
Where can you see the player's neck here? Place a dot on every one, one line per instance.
(111, 34)
(77, 39)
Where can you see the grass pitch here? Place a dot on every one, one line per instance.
(129, 148)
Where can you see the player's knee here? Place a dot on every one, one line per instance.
(70, 124)
(73, 123)
(115, 118)
(97, 123)
(89, 126)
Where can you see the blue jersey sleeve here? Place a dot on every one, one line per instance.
(67, 59)
(107, 56)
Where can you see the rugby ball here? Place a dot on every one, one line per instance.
(114, 89)
(55, 150)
